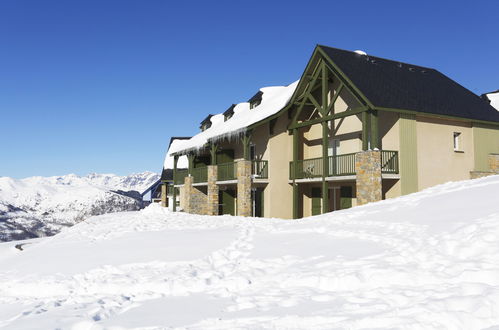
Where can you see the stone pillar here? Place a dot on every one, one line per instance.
(494, 163)
(195, 199)
(244, 202)
(164, 194)
(368, 170)
(188, 180)
(212, 207)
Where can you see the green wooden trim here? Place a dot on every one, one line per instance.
(485, 142)
(213, 154)
(433, 115)
(330, 117)
(175, 161)
(408, 154)
(325, 168)
(308, 89)
(190, 158)
(335, 97)
(374, 129)
(246, 138)
(315, 103)
(365, 137)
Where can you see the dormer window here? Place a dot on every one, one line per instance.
(206, 123)
(255, 100)
(229, 112)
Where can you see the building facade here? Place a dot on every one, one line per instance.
(354, 129)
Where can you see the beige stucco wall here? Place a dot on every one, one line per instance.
(278, 195)
(348, 129)
(389, 131)
(437, 161)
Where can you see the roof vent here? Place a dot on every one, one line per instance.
(360, 52)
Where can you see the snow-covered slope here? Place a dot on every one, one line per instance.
(422, 261)
(40, 206)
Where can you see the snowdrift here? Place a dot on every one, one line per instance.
(423, 261)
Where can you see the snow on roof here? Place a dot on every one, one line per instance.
(273, 99)
(182, 160)
(494, 99)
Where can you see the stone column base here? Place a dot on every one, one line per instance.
(368, 170)
(195, 200)
(244, 202)
(164, 194)
(212, 199)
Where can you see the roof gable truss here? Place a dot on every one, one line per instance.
(314, 90)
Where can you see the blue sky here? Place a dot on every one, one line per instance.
(101, 86)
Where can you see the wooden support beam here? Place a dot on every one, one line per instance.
(213, 154)
(374, 129)
(175, 161)
(365, 135)
(325, 168)
(325, 89)
(190, 158)
(246, 142)
(329, 117)
(307, 90)
(335, 97)
(315, 103)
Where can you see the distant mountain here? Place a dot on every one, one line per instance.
(41, 206)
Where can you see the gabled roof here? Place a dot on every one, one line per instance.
(396, 85)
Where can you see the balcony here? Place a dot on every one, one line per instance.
(179, 177)
(227, 171)
(341, 165)
(260, 169)
(200, 174)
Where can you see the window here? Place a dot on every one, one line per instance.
(252, 152)
(457, 141)
(255, 103)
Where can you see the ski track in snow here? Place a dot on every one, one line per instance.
(423, 261)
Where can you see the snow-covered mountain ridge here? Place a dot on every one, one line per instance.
(40, 206)
(422, 261)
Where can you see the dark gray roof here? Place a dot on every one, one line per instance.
(230, 110)
(167, 174)
(256, 97)
(391, 84)
(207, 119)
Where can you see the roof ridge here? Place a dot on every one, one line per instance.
(380, 58)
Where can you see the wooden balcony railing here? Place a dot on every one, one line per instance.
(179, 177)
(260, 169)
(389, 161)
(200, 174)
(339, 165)
(227, 171)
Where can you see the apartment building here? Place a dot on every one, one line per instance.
(354, 129)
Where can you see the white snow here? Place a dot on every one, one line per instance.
(273, 99)
(360, 52)
(494, 99)
(39, 206)
(423, 261)
(182, 160)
